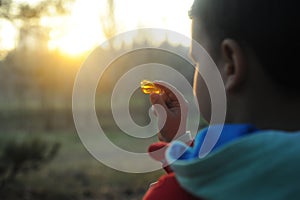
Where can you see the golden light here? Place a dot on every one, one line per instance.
(8, 35)
(81, 31)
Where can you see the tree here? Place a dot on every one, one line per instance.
(26, 17)
(31, 70)
(108, 21)
(23, 157)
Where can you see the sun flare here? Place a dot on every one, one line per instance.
(81, 31)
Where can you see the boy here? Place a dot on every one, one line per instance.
(255, 45)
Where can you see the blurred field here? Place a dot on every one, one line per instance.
(35, 101)
(36, 85)
(74, 174)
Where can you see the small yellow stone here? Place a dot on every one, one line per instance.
(148, 87)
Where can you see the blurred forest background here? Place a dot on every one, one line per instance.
(41, 156)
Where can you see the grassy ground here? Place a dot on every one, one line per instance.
(74, 174)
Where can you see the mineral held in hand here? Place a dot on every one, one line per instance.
(148, 87)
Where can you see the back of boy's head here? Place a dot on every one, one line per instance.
(270, 28)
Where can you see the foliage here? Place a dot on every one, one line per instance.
(108, 21)
(26, 19)
(23, 157)
(24, 11)
(75, 174)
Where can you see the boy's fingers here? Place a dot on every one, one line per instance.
(157, 99)
(171, 93)
(160, 109)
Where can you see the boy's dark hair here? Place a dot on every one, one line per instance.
(270, 28)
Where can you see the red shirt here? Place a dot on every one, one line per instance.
(167, 187)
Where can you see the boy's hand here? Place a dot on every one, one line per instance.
(171, 121)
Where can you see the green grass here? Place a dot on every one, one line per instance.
(74, 174)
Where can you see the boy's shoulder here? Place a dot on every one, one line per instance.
(258, 162)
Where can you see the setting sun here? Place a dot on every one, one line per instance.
(82, 31)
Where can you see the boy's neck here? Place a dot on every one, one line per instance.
(264, 103)
(281, 113)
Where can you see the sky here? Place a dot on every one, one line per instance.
(81, 30)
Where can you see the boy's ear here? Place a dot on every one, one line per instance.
(234, 65)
